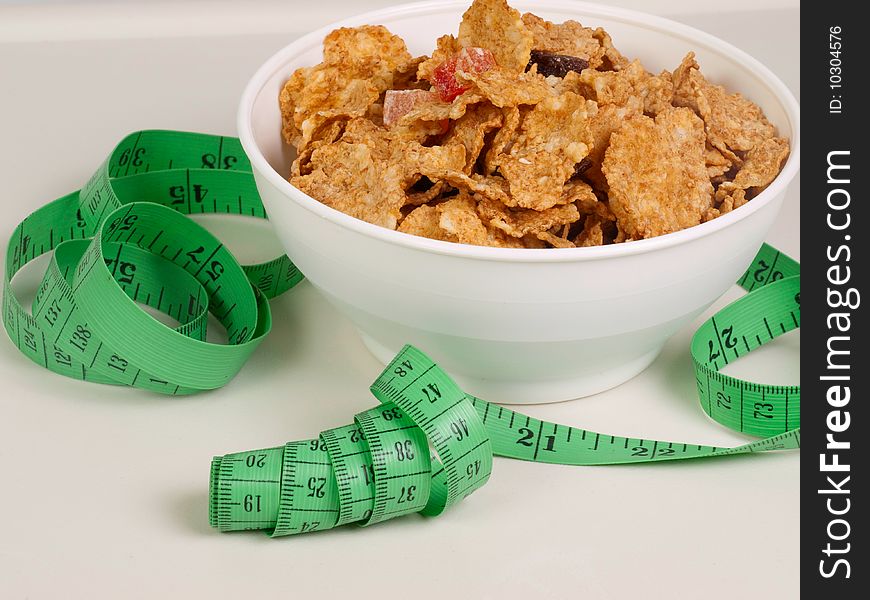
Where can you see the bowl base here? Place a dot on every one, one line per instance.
(541, 391)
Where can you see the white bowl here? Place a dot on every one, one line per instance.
(516, 325)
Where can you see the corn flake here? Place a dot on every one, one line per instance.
(456, 220)
(569, 38)
(592, 233)
(548, 146)
(470, 131)
(423, 221)
(398, 103)
(446, 46)
(503, 139)
(657, 174)
(494, 25)
(632, 82)
(604, 120)
(359, 64)
(519, 222)
(520, 133)
(554, 240)
(717, 163)
(612, 60)
(503, 88)
(732, 121)
(762, 164)
(348, 177)
(728, 197)
(417, 198)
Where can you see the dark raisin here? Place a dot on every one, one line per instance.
(555, 64)
(582, 166)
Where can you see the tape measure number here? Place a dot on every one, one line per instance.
(124, 239)
(428, 444)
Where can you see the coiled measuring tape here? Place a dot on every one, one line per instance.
(123, 239)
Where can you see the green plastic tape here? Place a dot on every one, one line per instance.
(123, 238)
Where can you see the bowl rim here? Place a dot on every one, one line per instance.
(700, 38)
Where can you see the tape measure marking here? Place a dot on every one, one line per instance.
(123, 239)
(465, 432)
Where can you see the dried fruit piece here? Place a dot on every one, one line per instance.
(444, 80)
(446, 47)
(439, 111)
(359, 63)
(398, 103)
(557, 65)
(657, 174)
(732, 122)
(569, 38)
(582, 166)
(494, 25)
(474, 60)
(468, 60)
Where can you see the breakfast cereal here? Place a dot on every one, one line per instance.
(521, 133)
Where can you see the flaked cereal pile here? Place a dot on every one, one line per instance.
(520, 133)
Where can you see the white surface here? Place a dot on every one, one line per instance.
(518, 325)
(114, 19)
(104, 490)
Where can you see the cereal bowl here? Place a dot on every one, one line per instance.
(518, 325)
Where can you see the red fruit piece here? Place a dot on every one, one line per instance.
(398, 103)
(468, 60)
(474, 60)
(444, 80)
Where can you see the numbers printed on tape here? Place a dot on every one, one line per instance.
(413, 388)
(124, 235)
(426, 446)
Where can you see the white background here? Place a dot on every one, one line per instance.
(104, 490)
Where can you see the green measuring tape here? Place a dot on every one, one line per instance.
(123, 239)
